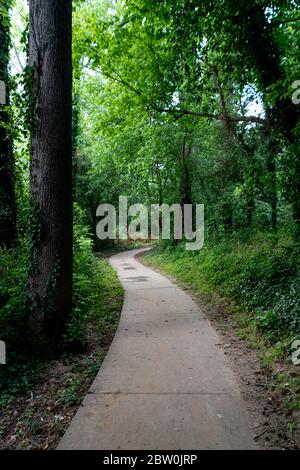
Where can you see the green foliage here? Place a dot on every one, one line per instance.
(97, 297)
(162, 93)
(70, 395)
(34, 233)
(97, 294)
(260, 274)
(157, 78)
(13, 270)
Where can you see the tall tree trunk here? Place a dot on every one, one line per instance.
(185, 177)
(228, 133)
(250, 206)
(8, 210)
(50, 276)
(272, 177)
(185, 183)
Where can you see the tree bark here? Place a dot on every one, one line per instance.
(8, 209)
(50, 275)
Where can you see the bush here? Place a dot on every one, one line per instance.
(13, 270)
(95, 293)
(84, 278)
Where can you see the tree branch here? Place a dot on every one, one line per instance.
(17, 57)
(287, 20)
(179, 113)
(219, 117)
(119, 79)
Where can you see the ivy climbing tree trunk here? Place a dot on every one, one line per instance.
(50, 275)
(8, 210)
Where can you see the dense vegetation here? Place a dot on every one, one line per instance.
(96, 293)
(173, 102)
(97, 298)
(192, 103)
(256, 273)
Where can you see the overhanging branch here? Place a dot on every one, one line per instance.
(179, 113)
(218, 117)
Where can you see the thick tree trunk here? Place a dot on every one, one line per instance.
(50, 277)
(8, 210)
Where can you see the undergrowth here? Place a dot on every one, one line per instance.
(97, 300)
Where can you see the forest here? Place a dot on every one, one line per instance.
(165, 102)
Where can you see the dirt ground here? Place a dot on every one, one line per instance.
(38, 419)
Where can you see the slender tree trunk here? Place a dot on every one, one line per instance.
(185, 187)
(273, 196)
(185, 178)
(8, 209)
(228, 126)
(227, 213)
(50, 276)
(159, 193)
(250, 207)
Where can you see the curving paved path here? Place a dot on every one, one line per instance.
(164, 384)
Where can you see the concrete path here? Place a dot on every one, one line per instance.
(165, 383)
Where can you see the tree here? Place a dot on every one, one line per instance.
(224, 69)
(251, 30)
(50, 276)
(8, 210)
